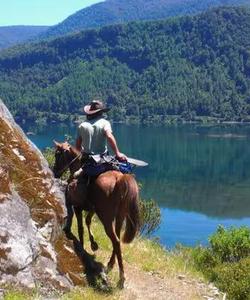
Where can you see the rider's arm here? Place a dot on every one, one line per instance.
(112, 142)
(79, 172)
(78, 143)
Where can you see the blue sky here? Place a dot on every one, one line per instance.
(39, 12)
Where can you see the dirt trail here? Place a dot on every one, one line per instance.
(142, 285)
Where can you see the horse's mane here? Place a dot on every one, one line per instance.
(74, 150)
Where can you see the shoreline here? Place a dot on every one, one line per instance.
(152, 120)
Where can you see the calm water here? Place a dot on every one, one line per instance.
(199, 175)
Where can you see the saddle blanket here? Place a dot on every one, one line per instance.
(97, 164)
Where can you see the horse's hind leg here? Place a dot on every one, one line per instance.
(111, 262)
(116, 252)
(88, 219)
(118, 226)
(78, 213)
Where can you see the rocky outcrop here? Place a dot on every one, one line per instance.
(31, 215)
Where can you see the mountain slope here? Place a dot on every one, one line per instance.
(187, 66)
(11, 35)
(119, 11)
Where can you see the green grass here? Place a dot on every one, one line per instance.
(20, 295)
(88, 294)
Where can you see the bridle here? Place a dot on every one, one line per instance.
(69, 164)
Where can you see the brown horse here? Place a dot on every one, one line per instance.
(113, 196)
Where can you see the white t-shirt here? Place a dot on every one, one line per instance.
(93, 136)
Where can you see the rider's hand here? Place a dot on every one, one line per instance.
(121, 157)
(78, 173)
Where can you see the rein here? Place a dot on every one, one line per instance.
(69, 164)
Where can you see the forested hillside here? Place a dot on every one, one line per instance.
(186, 66)
(11, 35)
(120, 11)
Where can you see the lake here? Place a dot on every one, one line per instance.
(199, 175)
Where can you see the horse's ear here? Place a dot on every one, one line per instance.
(57, 144)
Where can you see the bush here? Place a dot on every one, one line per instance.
(49, 154)
(205, 260)
(150, 215)
(234, 278)
(226, 261)
(230, 245)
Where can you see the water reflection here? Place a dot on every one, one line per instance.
(193, 168)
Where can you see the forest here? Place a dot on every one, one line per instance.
(187, 67)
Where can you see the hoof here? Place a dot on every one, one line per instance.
(120, 283)
(104, 277)
(94, 246)
(104, 282)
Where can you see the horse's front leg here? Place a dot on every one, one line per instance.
(78, 212)
(94, 245)
(69, 218)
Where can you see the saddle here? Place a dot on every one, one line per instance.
(97, 164)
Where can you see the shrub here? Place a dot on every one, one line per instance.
(150, 215)
(234, 278)
(226, 261)
(205, 260)
(49, 154)
(230, 245)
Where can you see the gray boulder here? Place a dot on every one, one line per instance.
(31, 216)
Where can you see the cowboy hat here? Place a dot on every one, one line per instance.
(95, 106)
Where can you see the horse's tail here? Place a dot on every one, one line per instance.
(129, 206)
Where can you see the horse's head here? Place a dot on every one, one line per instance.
(63, 158)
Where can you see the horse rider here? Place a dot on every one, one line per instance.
(94, 134)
